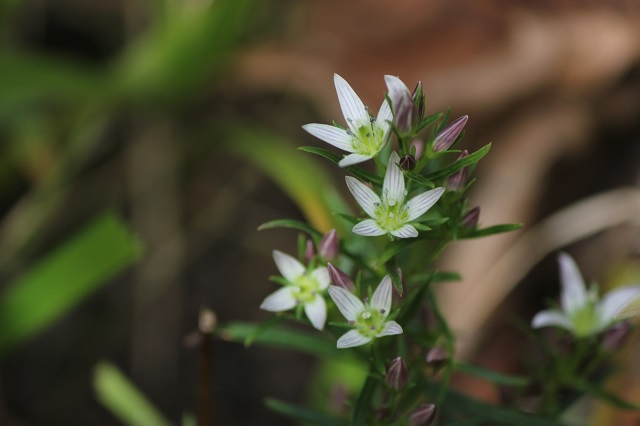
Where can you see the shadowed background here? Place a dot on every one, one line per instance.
(142, 143)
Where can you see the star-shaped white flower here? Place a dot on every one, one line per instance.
(365, 135)
(583, 314)
(369, 319)
(391, 213)
(304, 287)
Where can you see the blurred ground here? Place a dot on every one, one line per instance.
(554, 84)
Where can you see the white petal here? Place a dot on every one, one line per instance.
(390, 328)
(393, 185)
(620, 303)
(384, 118)
(348, 304)
(368, 228)
(352, 159)
(352, 107)
(331, 135)
(352, 338)
(316, 311)
(321, 275)
(551, 318)
(381, 298)
(398, 91)
(419, 204)
(280, 300)
(289, 266)
(364, 195)
(574, 293)
(406, 231)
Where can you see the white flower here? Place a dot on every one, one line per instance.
(369, 319)
(391, 214)
(365, 135)
(582, 313)
(305, 288)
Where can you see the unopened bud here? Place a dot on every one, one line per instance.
(423, 415)
(340, 279)
(418, 99)
(418, 145)
(615, 336)
(310, 251)
(458, 180)
(437, 358)
(407, 162)
(400, 292)
(449, 134)
(470, 219)
(329, 245)
(397, 374)
(405, 111)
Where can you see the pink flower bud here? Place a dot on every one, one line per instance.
(419, 146)
(470, 219)
(449, 134)
(458, 180)
(310, 251)
(329, 245)
(407, 162)
(340, 279)
(397, 374)
(423, 415)
(436, 358)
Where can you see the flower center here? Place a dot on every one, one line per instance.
(391, 214)
(305, 289)
(368, 139)
(370, 322)
(586, 320)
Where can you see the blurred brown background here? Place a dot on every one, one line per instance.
(555, 85)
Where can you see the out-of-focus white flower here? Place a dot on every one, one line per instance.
(303, 288)
(365, 135)
(391, 214)
(583, 313)
(369, 319)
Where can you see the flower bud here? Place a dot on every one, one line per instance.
(407, 162)
(405, 111)
(449, 134)
(470, 218)
(340, 279)
(418, 99)
(310, 251)
(395, 289)
(418, 144)
(329, 245)
(423, 415)
(458, 180)
(397, 374)
(436, 358)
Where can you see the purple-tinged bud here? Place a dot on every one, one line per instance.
(405, 111)
(418, 99)
(418, 144)
(423, 415)
(470, 218)
(329, 245)
(310, 251)
(458, 180)
(616, 336)
(449, 134)
(340, 279)
(437, 358)
(407, 162)
(397, 374)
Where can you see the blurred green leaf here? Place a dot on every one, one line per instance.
(459, 164)
(428, 120)
(363, 403)
(497, 229)
(492, 376)
(420, 180)
(354, 170)
(115, 391)
(293, 224)
(597, 391)
(307, 185)
(63, 278)
(302, 414)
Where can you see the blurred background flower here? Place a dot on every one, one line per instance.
(142, 143)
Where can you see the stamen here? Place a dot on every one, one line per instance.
(373, 327)
(382, 311)
(366, 315)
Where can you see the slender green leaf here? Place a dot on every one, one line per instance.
(354, 170)
(63, 278)
(492, 376)
(396, 280)
(272, 322)
(421, 227)
(115, 391)
(459, 164)
(419, 179)
(302, 414)
(436, 277)
(363, 403)
(497, 229)
(394, 248)
(292, 224)
(599, 392)
(428, 120)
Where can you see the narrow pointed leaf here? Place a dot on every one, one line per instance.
(301, 414)
(292, 224)
(492, 376)
(497, 229)
(459, 164)
(363, 403)
(354, 170)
